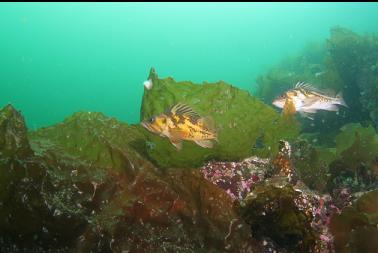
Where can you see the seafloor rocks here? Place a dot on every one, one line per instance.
(82, 186)
(272, 210)
(236, 178)
(245, 125)
(13, 135)
(177, 212)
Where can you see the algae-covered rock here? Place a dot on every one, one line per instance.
(20, 176)
(92, 138)
(48, 194)
(355, 229)
(273, 211)
(242, 121)
(178, 212)
(13, 133)
(84, 187)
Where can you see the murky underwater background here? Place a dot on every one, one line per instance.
(78, 173)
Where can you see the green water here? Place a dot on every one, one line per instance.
(59, 58)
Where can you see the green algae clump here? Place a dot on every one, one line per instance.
(245, 125)
(357, 154)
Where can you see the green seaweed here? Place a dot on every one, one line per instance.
(239, 117)
(356, 145)
(91, 138)
(357, 153)
(311, 164)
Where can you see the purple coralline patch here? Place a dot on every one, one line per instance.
(246, 180)
(321, 208)
(236, 178)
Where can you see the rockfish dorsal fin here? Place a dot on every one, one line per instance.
(185, 110)
(303, 85)
(310, 88)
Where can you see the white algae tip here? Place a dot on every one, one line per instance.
(148, 84)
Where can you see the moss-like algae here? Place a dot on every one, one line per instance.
(241, 121)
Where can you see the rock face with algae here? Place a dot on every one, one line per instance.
(94, 184)
(81, 186)
(245, 125)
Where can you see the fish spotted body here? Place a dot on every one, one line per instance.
(305, 99)
(182, 123)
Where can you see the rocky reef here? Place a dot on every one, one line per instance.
(79, 186)
(94, 184)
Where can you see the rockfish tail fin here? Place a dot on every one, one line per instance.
(340, 99)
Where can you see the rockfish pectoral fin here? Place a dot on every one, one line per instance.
(208, 123)
(175, 137)
(309, 101)
(308, 110)
(204, 143)
(307, 115)
(332, 108)
(177, 143)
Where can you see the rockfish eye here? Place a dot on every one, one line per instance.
(282, 96)
(152, 119)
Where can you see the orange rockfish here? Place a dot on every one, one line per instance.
(182, 123)
(305, 99)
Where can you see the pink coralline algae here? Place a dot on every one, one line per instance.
(325, 207)
(236, 178)
(246, 180)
